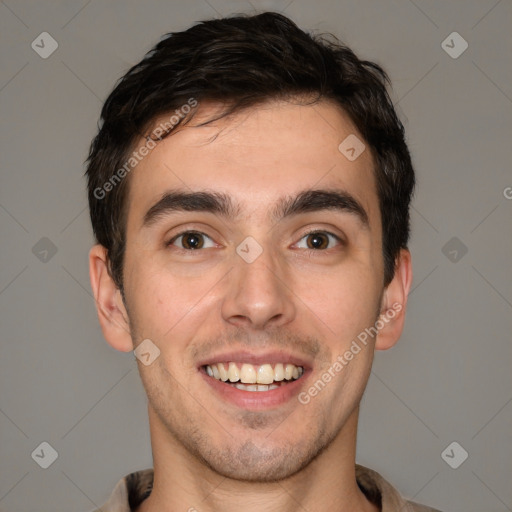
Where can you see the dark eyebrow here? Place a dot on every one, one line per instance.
(183, 201)
(222, 204)
(317, 200)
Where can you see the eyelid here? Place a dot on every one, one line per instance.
(186, 232)
(171, 241)
(338, 238)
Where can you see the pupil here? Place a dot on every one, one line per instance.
(316, 240)
(192, 241)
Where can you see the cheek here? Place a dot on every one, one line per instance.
(165, 303)
(345, 300)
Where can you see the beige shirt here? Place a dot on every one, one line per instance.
(134, 488)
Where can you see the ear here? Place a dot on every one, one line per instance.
(112, 313)
(394, 303)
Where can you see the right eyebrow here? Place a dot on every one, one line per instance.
(178, 200)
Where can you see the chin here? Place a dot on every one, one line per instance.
(250, 463)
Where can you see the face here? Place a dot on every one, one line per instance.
(258, 271)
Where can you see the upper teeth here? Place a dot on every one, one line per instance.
(250, 374)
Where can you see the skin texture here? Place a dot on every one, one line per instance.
(209, 453)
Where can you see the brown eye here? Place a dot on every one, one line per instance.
(318, 240)
(190, 240)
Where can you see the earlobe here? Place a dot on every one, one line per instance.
(394, 303)
(112, 314)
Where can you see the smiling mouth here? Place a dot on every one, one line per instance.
(249, 377)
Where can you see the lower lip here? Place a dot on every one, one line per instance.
(256, 400)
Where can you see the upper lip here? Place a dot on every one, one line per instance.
(246, 356)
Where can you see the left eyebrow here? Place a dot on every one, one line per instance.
(179, 200)
(318, 200)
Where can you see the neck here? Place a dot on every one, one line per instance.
(181, 482)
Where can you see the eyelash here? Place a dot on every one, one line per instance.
(328, 233)
(311, 232)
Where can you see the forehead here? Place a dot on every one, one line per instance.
(257, 156)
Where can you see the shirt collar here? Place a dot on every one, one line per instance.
(134, 488)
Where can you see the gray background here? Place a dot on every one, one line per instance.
(449, 377)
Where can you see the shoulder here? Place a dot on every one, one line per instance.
(129, 492)
(417, 507)
(379, 491)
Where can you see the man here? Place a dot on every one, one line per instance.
(249, 191)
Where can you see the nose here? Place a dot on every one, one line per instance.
(259, 294)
